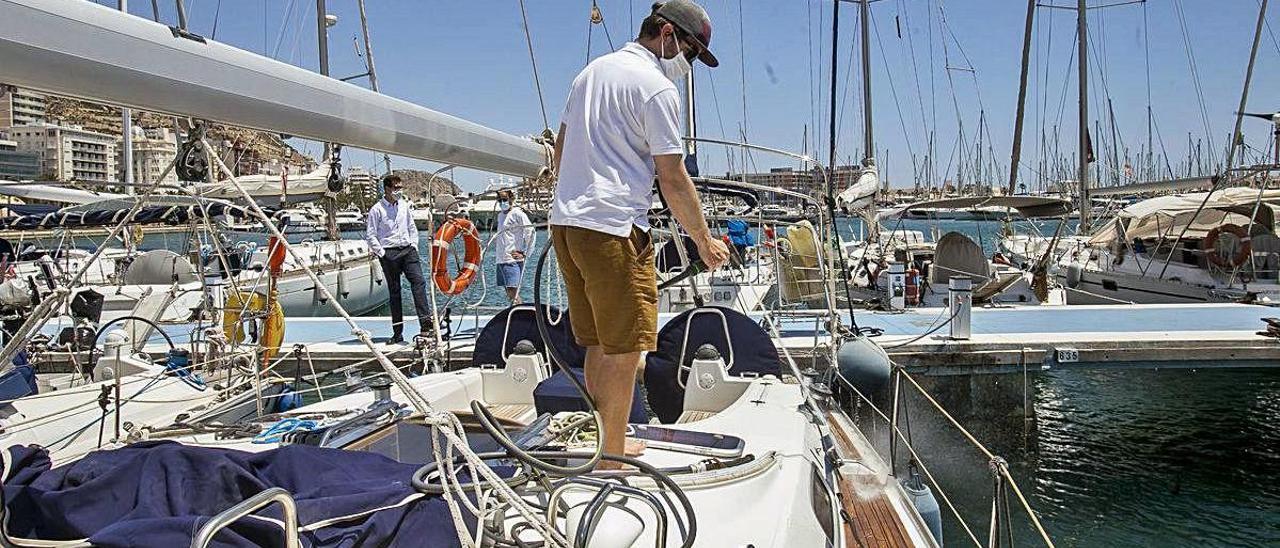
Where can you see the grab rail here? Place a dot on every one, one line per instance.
(275, 494)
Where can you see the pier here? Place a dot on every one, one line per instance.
(1004, 340)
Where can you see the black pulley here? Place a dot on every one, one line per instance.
(192, 164)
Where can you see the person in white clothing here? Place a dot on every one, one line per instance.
(620, 125)
(393, 238)
(514, 238)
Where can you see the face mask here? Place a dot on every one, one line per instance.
(399, 194)
(676, 67)
(504, 205)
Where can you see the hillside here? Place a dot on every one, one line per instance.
(257, 146)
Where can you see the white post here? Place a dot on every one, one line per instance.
(960, 301)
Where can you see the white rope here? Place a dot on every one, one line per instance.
(433, 417)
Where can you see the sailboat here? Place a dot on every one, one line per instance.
(501, 453)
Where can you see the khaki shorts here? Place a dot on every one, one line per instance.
(612, 288)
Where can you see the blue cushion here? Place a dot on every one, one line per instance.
(557, 394)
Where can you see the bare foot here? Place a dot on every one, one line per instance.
(634, 447)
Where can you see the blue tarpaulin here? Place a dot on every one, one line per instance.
(160, 493)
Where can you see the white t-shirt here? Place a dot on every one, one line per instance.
(515, 233)
(622, 111)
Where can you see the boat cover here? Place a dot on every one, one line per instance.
(519, 323)
(159, 493)
(161, 214)
(748, 349)
(957, 255)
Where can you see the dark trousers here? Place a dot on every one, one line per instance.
(404, 260)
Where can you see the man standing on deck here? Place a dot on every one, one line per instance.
(515, 237)
(621, 123)
(393, 238)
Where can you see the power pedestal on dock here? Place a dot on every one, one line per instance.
(960, 301)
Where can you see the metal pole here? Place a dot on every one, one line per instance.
(126, 125)
(182, 14)
(1016, 155)
(368, 64)
(1082, 39)
(322, 39)
(835, 63)
(868, 143)
(690, 117)
(870, 219)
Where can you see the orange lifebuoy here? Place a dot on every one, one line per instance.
(1241, 255)
(440, 256)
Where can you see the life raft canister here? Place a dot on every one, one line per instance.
(440, 256)
(1241, 255)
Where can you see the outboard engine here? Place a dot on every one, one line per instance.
(16, 301)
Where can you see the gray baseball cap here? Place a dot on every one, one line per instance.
(693, 21)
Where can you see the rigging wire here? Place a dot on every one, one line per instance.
(217, 13)
(1195, 77)
(893, 89)
(533, 62)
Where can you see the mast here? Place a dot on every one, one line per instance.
(322, 39)
(368, 65)
(1082, 28)
(835, 64)
(126, 126)
(690, 119)
(1016, 155)
(868, 142)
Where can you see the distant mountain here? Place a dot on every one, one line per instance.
(415, 184)
(252, 148)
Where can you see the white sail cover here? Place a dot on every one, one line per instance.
(862, 193)
(86, 50)
(53, 193)
(270, 189)
(1174, 215)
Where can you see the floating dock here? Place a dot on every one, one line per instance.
(1003, 339)
(1006, 339)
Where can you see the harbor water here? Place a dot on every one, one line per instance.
(1111, 457)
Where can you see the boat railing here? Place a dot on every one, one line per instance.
(274, 495)
(1000, 529)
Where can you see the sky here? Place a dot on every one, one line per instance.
(937, 65)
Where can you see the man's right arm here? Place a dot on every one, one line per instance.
(371, 232)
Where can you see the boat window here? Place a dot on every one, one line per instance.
(820, 502)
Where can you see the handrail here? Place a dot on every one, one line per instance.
(801, 157)
(206, 533)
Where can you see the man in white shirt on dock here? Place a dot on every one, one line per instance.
(621, 123)
(514, 238)
(393, 238)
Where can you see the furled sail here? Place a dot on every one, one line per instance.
(82, 49)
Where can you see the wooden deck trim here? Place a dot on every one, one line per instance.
(871, 522)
